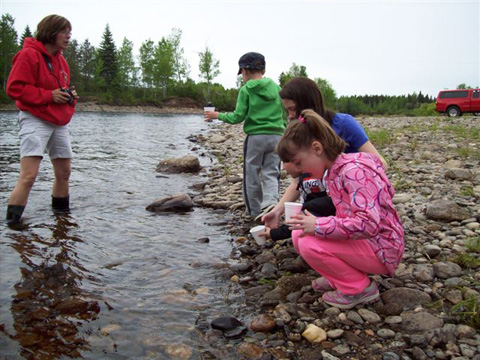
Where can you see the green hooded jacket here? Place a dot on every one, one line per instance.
(260, 106)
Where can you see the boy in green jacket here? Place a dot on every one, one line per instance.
(260, 107)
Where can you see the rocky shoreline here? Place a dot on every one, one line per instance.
(91, 106)
(428, 310)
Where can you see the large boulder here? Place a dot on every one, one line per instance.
(446, 210)
(185, 164)
(175, 203)
(458, 174)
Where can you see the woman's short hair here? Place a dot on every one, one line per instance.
(50, 26)
(306, 94)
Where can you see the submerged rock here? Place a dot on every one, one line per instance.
(175, 203)
(185, 164)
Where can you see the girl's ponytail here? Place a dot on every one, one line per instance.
(301, 133)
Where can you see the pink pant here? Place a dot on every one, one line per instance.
(344, 263)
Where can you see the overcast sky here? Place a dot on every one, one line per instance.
(361, 47)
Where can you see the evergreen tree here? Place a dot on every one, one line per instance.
(209, 68)
(87, 64)
(181, 68)
(107, 53)
(26, 33)
(8, 47)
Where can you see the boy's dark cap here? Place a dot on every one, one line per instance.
(251, 60)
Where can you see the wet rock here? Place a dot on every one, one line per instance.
(262, 323)
(225, 323)
(179, 351)
(446, 210)
(276, 294)
(235, 333)
(250, 351)
(204, 240)
(420, 322)
(241, 267)
(74, 306)
(175, 203)
(185, 164)
(448, 269)
(282, 314)
(265, 257)
(458, 174)
(406, 297)
(106, 330)
(258, 290)
(314, 334)
(369, 316)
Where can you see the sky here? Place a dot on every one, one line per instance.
(361, 47)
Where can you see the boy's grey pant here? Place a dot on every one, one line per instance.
(261, 172)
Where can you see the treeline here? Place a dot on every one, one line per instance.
(160, 71)
(116, 76)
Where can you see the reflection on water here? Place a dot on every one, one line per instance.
(112, 280)
(48, 300)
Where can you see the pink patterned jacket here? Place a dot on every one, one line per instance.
(362, 195)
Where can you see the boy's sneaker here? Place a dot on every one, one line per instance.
(342, 301)
(322, 285)
(265, 211)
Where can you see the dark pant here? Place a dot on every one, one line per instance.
(319, 207)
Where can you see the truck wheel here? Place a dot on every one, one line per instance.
(453, 111)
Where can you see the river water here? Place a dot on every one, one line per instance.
(111, 280)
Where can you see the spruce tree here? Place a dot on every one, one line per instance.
(26, 33)
(107, 53)
(8, 47)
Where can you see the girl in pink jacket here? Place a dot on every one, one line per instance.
(365, 236)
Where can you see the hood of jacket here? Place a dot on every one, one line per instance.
(264, 88)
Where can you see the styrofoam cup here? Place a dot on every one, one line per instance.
(292, 208)
(209, 108)
(260, 240)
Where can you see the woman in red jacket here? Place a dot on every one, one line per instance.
(39, 83)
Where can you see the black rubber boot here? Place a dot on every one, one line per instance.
(14, 214)
(61, 204)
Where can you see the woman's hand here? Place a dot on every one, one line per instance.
(306, 223)
(266, 233)
(60, 97)
(210, 115)
(74, 92)
(271, 219)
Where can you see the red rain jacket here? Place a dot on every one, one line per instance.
(31, 83)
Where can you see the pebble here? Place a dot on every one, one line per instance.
(263, 323)
(314, 334)
(386, 333)
(369, 316)
(335, 333)
(225, 323)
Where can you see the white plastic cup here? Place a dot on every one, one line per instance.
(292, 208)
(209, 108)
(260, 240)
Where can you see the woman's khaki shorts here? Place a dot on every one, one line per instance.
(38, 136)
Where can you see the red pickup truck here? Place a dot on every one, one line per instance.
(457, 102)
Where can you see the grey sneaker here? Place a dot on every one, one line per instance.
(342, 301)
(322, 285)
